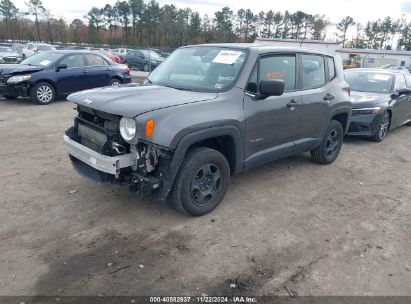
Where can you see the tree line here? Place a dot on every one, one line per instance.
(140, 23)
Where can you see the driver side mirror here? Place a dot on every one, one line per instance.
(404, 91)
(61, 66)
(271, 88)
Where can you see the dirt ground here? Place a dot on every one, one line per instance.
(291, 226)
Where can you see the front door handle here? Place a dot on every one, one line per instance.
(329, 96)
(292, 104)
(85, 71)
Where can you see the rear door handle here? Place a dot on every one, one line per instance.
(84, 71)
(329, 96)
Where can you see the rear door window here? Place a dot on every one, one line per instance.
(94, 60)
(313, 71)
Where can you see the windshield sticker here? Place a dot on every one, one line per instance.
(227, 57)
(381, 77)
(45, 62)
(219, 86)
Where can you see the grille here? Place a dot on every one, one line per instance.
(91, 137)
(10, 59)
(358, 127)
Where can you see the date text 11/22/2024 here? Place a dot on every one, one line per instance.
(204, 299)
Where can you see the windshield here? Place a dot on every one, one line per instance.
(45, 47)
(5, 49)
(203, 69)
(43, 59)
(369, 81)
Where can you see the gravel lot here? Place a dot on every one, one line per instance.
(291, 226)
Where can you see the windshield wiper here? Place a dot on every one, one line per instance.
(182, 89)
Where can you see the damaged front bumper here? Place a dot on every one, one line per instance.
(103, 163)
(113, 169)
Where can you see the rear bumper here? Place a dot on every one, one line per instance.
(127, 79)
(364, 125)
(102, 163)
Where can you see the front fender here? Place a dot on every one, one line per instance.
(188, 140)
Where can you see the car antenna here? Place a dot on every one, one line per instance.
(149, 58)
(302, 41)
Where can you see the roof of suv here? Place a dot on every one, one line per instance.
(265, 48)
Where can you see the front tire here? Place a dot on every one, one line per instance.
(330, 146)
(202, 182)
(43, 93)
(383, 128)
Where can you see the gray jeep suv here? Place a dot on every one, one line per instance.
(207, 112)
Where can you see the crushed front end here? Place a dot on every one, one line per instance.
(99, 152)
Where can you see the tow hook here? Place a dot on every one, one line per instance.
(120, 149)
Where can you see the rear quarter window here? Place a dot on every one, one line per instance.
(331, 68)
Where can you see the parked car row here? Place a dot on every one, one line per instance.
(141, 59)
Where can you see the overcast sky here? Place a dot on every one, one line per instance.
(335, 10)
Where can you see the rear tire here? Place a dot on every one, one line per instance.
(202, 182)
(114, 82)
(43, 93)
(330, 146)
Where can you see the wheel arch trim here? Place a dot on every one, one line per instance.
(190, 139)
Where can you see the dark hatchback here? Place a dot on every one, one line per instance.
(46, 75)
(381, 101)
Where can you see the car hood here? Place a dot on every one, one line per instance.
(7, 69)
(368, 100)
(134, 100)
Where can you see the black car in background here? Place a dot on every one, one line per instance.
(46, 75)
(144, 60)
(381, 101)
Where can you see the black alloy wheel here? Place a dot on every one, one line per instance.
(383, 128)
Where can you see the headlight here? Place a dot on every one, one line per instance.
(127, 128)
(19, 78)
(364, 111)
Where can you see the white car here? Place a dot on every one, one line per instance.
(121, 52)
(7, 55)
(33, 48)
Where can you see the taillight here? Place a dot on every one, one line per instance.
(127, 70)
